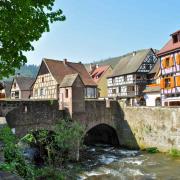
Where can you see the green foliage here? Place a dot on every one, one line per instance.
(68, 134)
(21, 23)
(49, 173)
(28, 138)
(6, 135)
(14, 161)
(66, 139)
(10, 167)
(152, 150)
(174, 152)
(51, 102)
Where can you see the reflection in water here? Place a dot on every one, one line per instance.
(109, 163)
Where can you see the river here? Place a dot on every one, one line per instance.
(109, 163)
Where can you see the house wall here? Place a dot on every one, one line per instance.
(15, 89)
(66, 101)
(45, 87)
(173, 69)
(74, 103)
(170, 94)
(126, 86)
(78, 103)
(102, 83)
(151, 98)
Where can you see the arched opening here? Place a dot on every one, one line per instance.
(142, 101)
(158, 101)
(101, 134)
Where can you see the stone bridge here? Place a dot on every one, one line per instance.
(107, 119)
(132, 127)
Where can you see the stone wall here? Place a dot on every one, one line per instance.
(32, 115)
(154, 127)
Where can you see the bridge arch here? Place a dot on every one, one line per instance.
(101, 133)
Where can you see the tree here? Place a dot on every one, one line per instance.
(21, 23)
(69, 137)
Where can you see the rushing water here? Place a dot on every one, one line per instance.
(109, 163)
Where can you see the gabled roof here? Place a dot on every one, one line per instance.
(59, 69)
(69, 80)
(170, 46)
(156, 68)
(98, 72)
(130, 62)
(24, 83)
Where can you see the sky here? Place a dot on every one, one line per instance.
(99, 29)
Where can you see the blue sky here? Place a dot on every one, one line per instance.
(99, 29)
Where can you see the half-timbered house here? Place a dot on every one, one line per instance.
(99, 74)
(152, 93)
(51, 75)
(21, 87)
(129, 77)
(170, 71)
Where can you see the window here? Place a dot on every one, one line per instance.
(66, 93)
(41, 92)
(130, 88)
(16, 94)
(148, 66)
(125, 78)
(138, 77)
(167, 82)
(42, 79)
(36, 92)
(90, 92)
(113, 80)
(175, 38)
(167, 62)
(114, 91)
(14, 85)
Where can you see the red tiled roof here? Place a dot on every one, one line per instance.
(97, 73)
(170, 46)
(59, 69)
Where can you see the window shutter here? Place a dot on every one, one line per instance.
(172, 82)
(178, 81)
(171, 63)
(162, 83)
(178, 59)
(164, 63)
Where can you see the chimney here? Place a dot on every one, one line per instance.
(97, 65)
(134, 53)
(65, 61)
(92, 68)
(18, 74)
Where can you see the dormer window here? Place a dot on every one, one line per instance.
(175, 38)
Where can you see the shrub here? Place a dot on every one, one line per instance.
(14, 160)
(152, 150)
(174, 152)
